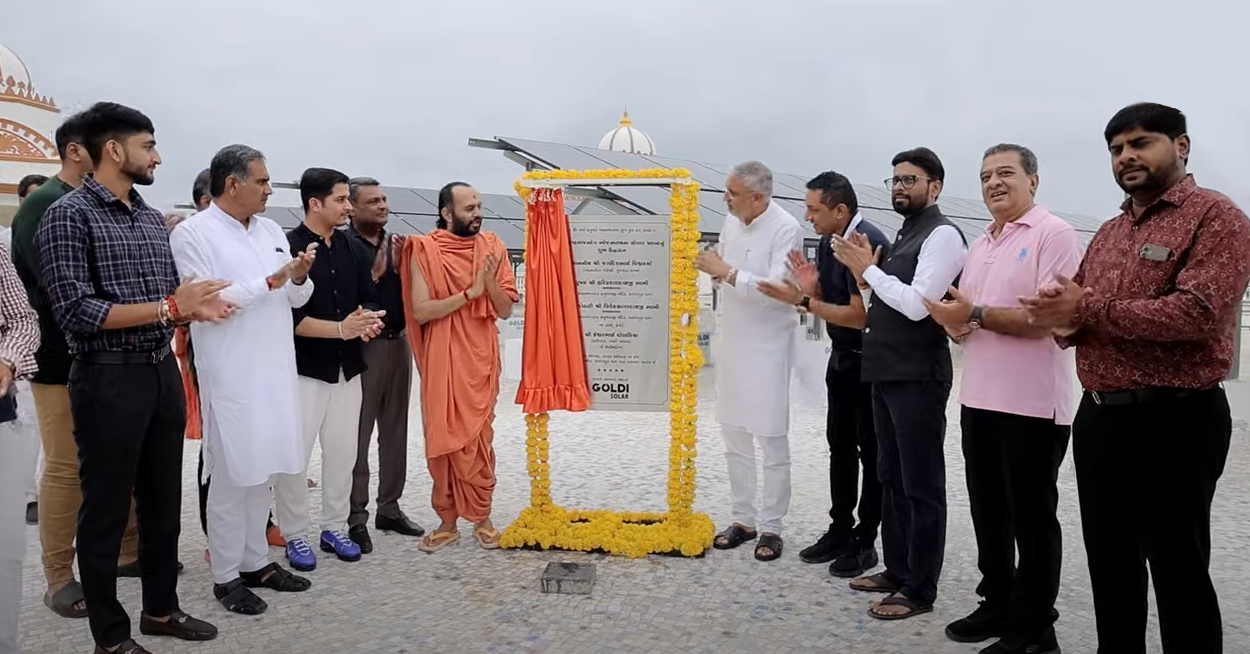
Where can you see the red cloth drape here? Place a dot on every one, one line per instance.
(189, 388)
(553, 359)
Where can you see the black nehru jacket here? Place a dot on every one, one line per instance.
(897, 348)
(342, 277)
(837, 285)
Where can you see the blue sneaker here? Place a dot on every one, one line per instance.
(343, 547)
(300, 554)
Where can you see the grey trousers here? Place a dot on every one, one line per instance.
(387, 391)
(15, 472)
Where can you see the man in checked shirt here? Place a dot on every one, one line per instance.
(1152, 312)
(114, 290)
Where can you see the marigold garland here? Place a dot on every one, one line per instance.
(545, 525)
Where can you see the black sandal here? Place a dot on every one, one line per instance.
(913, 609)
(279, 579)
(770, 542)
(64, 602)
(733, 536)
(237, 598)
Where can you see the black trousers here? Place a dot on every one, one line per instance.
(1012, 468)
(129, 422)
(852, 443)
(1146, 475)
(911, 427)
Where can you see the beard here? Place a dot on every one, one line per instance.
(904, 205)
(138, 176)
(1151, 181)
(465, 228)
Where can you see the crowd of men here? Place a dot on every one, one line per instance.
(293, 339)
(1150, 310)
(305, 337)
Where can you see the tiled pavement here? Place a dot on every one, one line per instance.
(467, 600)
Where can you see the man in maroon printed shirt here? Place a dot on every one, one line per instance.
(1152, 313)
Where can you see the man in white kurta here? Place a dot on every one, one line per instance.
(246, 369)
(755, 335)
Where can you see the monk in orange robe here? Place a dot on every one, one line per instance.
(457, 284)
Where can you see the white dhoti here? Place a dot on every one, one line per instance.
(331, 411)
(740, 457)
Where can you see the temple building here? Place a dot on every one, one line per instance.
(28, 121)
(627, 138)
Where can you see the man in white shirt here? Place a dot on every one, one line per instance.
(907, 359)
(755, 334)
(245, 366)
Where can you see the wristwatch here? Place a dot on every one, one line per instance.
(975, 320)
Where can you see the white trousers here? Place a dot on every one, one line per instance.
(331, 411)
(740, 458)
(237, 516)
(27, 427)
(14, 469)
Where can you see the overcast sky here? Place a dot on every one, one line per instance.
(394, 89)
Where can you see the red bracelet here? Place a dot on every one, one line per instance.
(173, 307)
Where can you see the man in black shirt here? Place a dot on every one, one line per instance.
(829, 290)
(386, 384)
(329, 330)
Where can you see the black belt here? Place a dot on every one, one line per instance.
(392, 334)
(125, 358)
(1143, 395)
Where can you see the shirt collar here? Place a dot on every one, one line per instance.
(1029, 219)
(1175, 196)
(108, 196)
(855, 221)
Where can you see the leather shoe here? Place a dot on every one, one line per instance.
(128, 646)
(360, 536)
(179, 625)
(399, 524)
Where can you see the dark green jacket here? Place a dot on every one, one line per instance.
(53, 354)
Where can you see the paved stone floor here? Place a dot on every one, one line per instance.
(468, 600)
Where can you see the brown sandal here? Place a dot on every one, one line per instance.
(487, 538)
(438, 540)
(913, 609)
(878, 583)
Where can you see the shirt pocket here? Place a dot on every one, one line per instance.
(1150, 277)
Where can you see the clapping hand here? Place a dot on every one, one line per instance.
(297, 268)
(952, 314)
(710, 262)
(362, 324)
(856, 253)
(804, 272)
(1055, 305)
(198, 300)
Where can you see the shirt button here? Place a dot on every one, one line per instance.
(866, 330)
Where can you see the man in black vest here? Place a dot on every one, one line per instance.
(907, 359)
(828, 289)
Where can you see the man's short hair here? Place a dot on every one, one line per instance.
(924, 159)
(755, 176)
(199, 188)
(1149, 116)
(835, 189)
(109, 121)
(71, 130)
(354, 184)
(23, 186)
(1028, 160)
(231, 161)
(319, 183)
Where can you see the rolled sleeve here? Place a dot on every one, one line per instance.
(62, 244)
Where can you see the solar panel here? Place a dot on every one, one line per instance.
(513, 236)
(430, 196)
(615, 159)
(888, 221)
(398, 226)
(557, 155)
(656, 200)
(799, 211)
(404, 200)
(505, 206)
(872, 196)
(708, 178)
(420, 224)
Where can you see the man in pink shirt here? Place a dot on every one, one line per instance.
(1017, 400)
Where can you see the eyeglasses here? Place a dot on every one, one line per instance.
(907, 181)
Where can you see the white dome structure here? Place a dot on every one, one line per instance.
(627, 138)
(28, 123)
